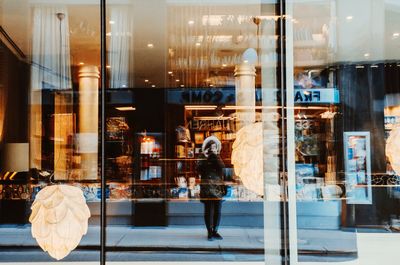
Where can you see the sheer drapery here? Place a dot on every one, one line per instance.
(51, 68)
(121, 47)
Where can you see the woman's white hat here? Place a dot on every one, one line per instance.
(215, 140)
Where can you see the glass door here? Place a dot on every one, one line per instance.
(193, 140)
(342, 81)
(49, 136)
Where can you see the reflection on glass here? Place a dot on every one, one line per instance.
(49, 130)
(180, 72)
(345, 74)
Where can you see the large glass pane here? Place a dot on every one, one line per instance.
(182, 76)
(49, 83)
(344, 77)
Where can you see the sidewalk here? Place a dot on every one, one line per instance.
(191, 238)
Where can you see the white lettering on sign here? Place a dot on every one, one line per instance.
(324, 95)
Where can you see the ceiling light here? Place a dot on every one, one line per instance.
(211, 85)
(366, 54)
(111, 22)
(182, 85)
(191, 22)
(81, 63)
(108, 34)
(123, 85)
(150, 45)
(177, 80)
(198, 43)
(125, 108)
(153, 85)
(349, 17)
(374, 66)
(146, 80)
(245, 61)
(224, 65)
(108, 66)
(170, 72)
(359, 66)
(396, 35)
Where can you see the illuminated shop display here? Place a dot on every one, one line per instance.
(308, 123)
(358, 167)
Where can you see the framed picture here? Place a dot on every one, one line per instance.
(357, 157)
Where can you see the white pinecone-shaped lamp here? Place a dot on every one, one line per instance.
(247, 157)
(393, 149)
(59, 219)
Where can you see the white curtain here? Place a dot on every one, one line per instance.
(50, 49)
(50, 68)
(121, 47)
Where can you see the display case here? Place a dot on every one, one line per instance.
(149, 181)
(119, 144)
(200, 123)
(316, 114)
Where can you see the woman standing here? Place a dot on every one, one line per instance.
(212, 187)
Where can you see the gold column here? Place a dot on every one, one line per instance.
(87, 139)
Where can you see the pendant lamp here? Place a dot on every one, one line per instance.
(59, 219)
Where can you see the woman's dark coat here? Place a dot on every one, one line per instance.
(212, 183)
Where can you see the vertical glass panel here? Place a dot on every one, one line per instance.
(345, 120)
(49, 81)
(193, 131)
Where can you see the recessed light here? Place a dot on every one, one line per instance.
(177, 80)
(126, 108)
(396, 35)
(245, 61)
(81, 63)
(108, 34)
(211, 85)
(182, 85)
(123, 85)
(198, 43)
(146, 80)
(150, 45)
(366, 54)
(108, 66)
(153, 85)
(111, 22)
(349, 17)
(170, 72)
(224, 65)
(191, 22)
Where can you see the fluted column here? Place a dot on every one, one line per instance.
(88, 120)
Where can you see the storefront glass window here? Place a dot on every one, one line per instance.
(182, 76)
(49, 180)
(344, 75)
